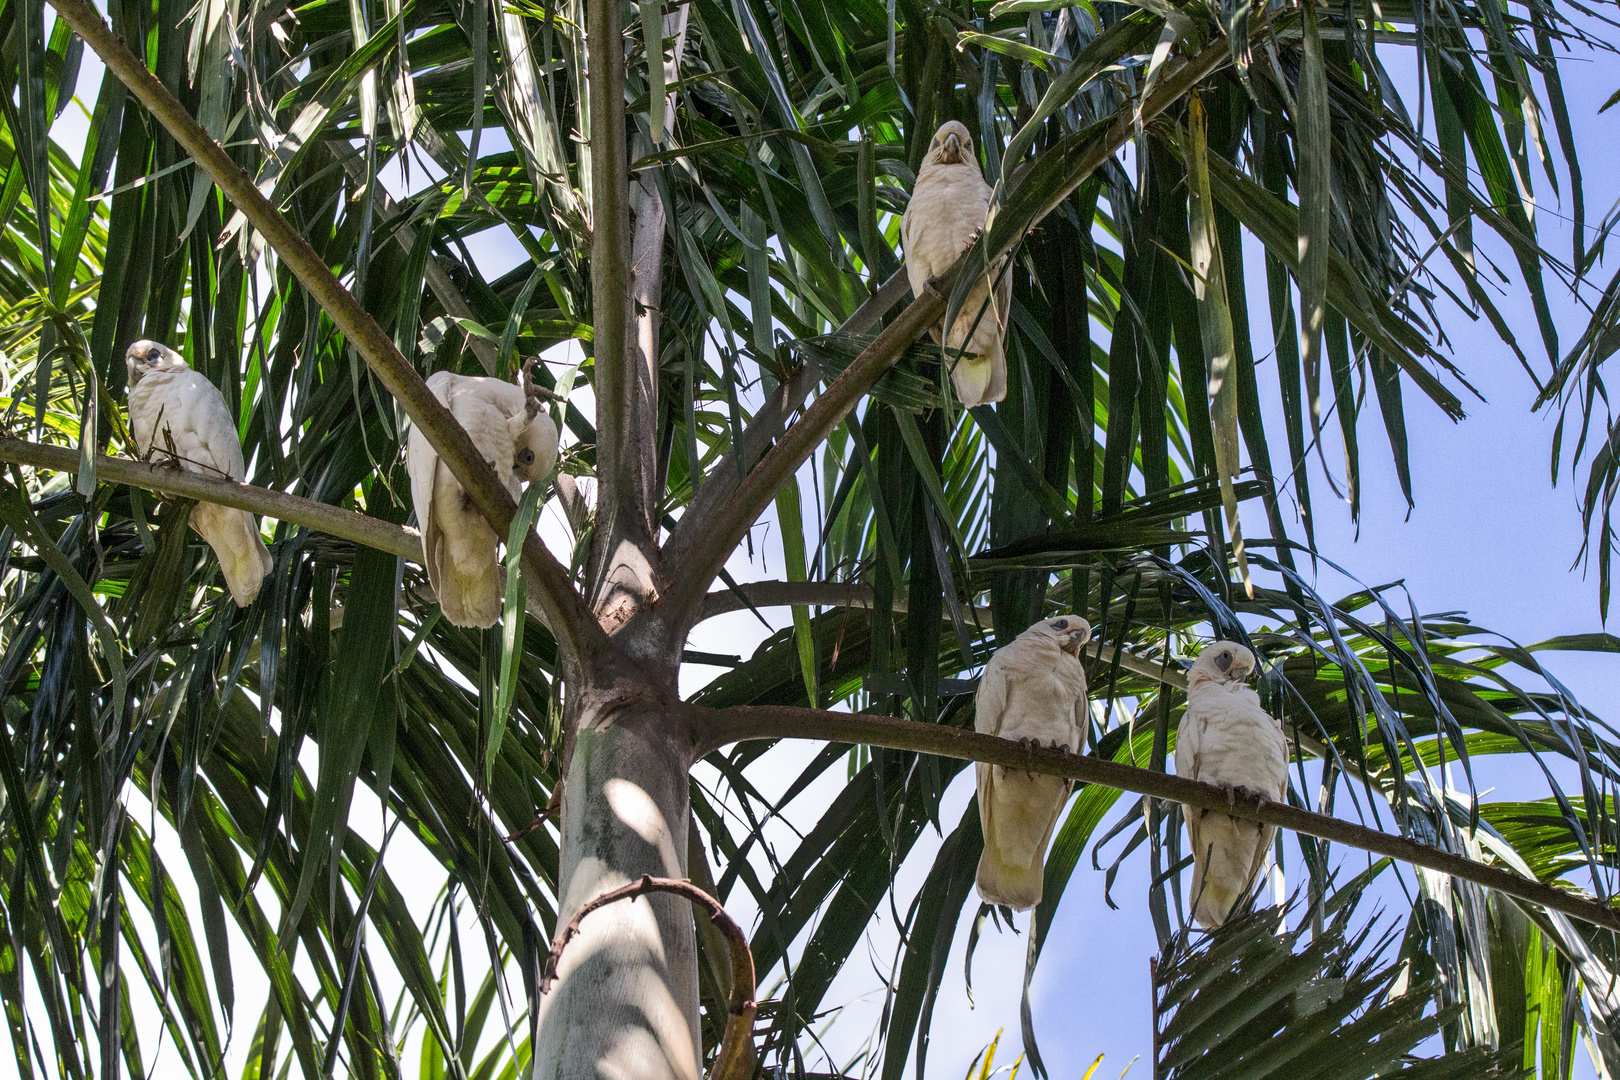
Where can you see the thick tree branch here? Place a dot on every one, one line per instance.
(576, 630)
(438, 281)
(719, 727)
(721, 532)
(767, 424)
(623, 557)
(735, 1059)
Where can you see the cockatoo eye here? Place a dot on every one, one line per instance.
(1061, 624)
(1224, 662)
(525, 457)
(153, 356)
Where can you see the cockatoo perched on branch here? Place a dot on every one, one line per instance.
(180, 417)
(1034, 690)
(512, 431)
(948, 207)
(1226, 738)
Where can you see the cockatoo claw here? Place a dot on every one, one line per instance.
(533, 401)
(1029, 744)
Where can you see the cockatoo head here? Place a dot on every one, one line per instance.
(1069, 631)
(1223, 663)
(952, 145)
(145, 357)
(534, 435)
(536, 448)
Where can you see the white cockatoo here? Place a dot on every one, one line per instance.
(180, 417)
(510, 428)
(949, 204)
(1226, 738)
(1034, 690)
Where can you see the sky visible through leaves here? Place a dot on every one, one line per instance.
(1488, 537)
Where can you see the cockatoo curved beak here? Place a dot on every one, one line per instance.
(1075, 639)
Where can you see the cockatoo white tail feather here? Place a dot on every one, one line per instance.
(180, 417)
(1226, 738)
(1034, 689)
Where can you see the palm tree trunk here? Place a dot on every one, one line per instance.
(626, 1000)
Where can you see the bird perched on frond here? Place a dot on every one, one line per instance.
(949, 204)
(510, 428)
(1226, 738)
(180, 417)
(1033, 690)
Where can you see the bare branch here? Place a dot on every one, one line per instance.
(839, 594)
(322, 517)
(842, 594)
(266, 502)
(735, 1059)
(719, 533)
(438, 281)
(577, 631)
(792, 593)
(720, 727)
(767, 424)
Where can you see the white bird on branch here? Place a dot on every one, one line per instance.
(949, 204)
(1034, 690)
(512, 431)
(1226, 738)
(181, 417)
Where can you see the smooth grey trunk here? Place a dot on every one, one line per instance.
(625, 1005)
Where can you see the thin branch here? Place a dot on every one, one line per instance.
(433, 273)
(718, 534)
(839, 594)
(576, 629)
(266, 502)
(845, 594)
(719, 727)
(735, 1059)
(322, 517)
(767, 424)
(792, 593)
